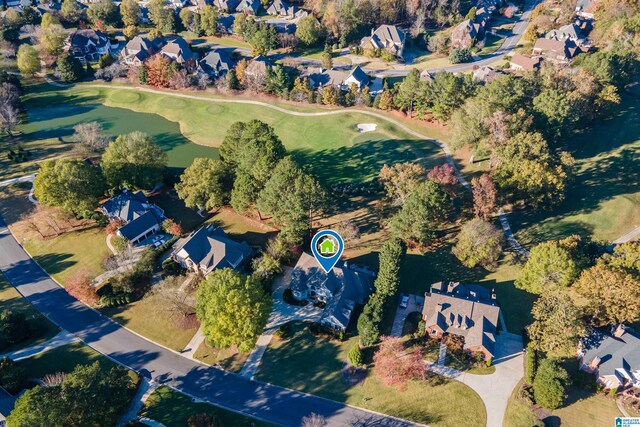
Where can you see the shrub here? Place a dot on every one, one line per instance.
(460, 55)
(79, 287)
(613, 391)
(530, 365)
(12, 376)
(13, 327)
(284, 331)
(171, 268)
(355, 355)
(550, 384)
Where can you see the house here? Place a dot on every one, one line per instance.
(209, 248)
(387, 37)
(282, 8)
(140, 217)
(465, 34)
(357, 77)
(341, 289)
(566, 32)
(613, 358)
(248, 7)
(560, 52)
(486, 74)
(216, 63)
(225, 24)
(320, 77)
(586, 9)
(138, 50)
(177, 49)
(228, 6)
(257, 69)
(520, 62)
(88, 44)
(469, 311)
(426, 76)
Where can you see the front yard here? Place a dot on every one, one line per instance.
(313, 365)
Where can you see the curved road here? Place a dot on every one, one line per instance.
(266, 402)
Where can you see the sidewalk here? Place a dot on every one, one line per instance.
(144, 391)
(63, 338)
(193, 345)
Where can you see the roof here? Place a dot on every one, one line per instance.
(229, 5)
(82, 36)
(140, 225)
(569, 31)
(467, 29)
(526, 62)
(358, 74)
(215, 62)
(7, 403)
(486, 73)
(560, 48)
(127, 205)
(614, 353)
(211, 248)
(321, 77)
(179, 50)
(257, 66)
(248, 6)
(386, 37)
(348, 287)
(465, 310)
(140, 47)
(282, 8)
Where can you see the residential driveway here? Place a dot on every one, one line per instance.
(494, 389)
(415, 304)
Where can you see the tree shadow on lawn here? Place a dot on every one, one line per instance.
(362, 161)
(55, 263)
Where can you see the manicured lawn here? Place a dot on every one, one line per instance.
(518, 414)
(64, 255)
(143, 317)
(604, 201)
(491, 44)
(242, 228)
(172, 408)
(39, 150)
(330, 145)
(11, 300)
(313, 365)
(228, 358)
(584, 409)
(175, 209)
(63, 359)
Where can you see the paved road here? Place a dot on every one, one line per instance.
(266, 402)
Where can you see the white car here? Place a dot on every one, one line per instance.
(404, 301)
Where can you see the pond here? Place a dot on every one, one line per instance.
(58, 122)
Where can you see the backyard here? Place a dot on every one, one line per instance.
(313, 365)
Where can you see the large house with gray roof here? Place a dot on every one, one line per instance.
(341, 289)
(385, 37)
(140, 218)
(139, 49)
(614, 359)
(88, 44)
(469, 311)
(177, 49)
(209, 248)
(319, 78)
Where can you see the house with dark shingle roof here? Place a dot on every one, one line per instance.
(88, 44)
(469, 311)
(320, 77)
(614, 359)
(385, 37)
(248, 7)
(177, 49)
(138, 50)
(216, 63)
(209, 248)
(557, 51)
(228, 6)
(140, 217)
(341, 289)
(464, 34)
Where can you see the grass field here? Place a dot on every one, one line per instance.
(604, 200)
(63, 359)
(228, 358)
(172, 408)
(313, 365)
(330, 145)
(241, 228)
(11, 300)
(518, 414)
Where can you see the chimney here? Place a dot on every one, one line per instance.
(594, 363)
(619, 332)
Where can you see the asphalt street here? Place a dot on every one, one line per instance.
(263, 401)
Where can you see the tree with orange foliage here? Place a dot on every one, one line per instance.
(396, 366)
(79, 287)
(113, 226)
(158, 71)
(172, 227)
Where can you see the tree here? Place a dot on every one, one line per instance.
(549, 267)
(232, 308)
(612, 295)
(625, 257)
(309, 30)
(130, 12)
(329, 95)
(424, 209)
(479, 243)
(130, 32)
(369, 320)
(161, 16)
(79, 286)
(203, 419)
(409, 92)
(172, 300)
(158, 71)
(209, 20)
(134, 161)
(530, 364)
(278, 81)
(313, 420)
(401, 179)
(484, 196)
(9, 117)
(104, 11)
(550, 385)
(355, 355)
(69, 68)
(71, 11)
(327, 57)
(390, 260)
(91, 136)
(396, 366)
(459, 55)
(445, 174)
(48, 20)
(172, 227)
(52, 39)
(232, 80)
(264, 39)
(70, 184)
(205, 184)
(557, 327)
(12, 376)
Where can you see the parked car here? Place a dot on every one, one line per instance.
(404, 301)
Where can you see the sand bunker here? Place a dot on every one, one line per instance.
(366, 127)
